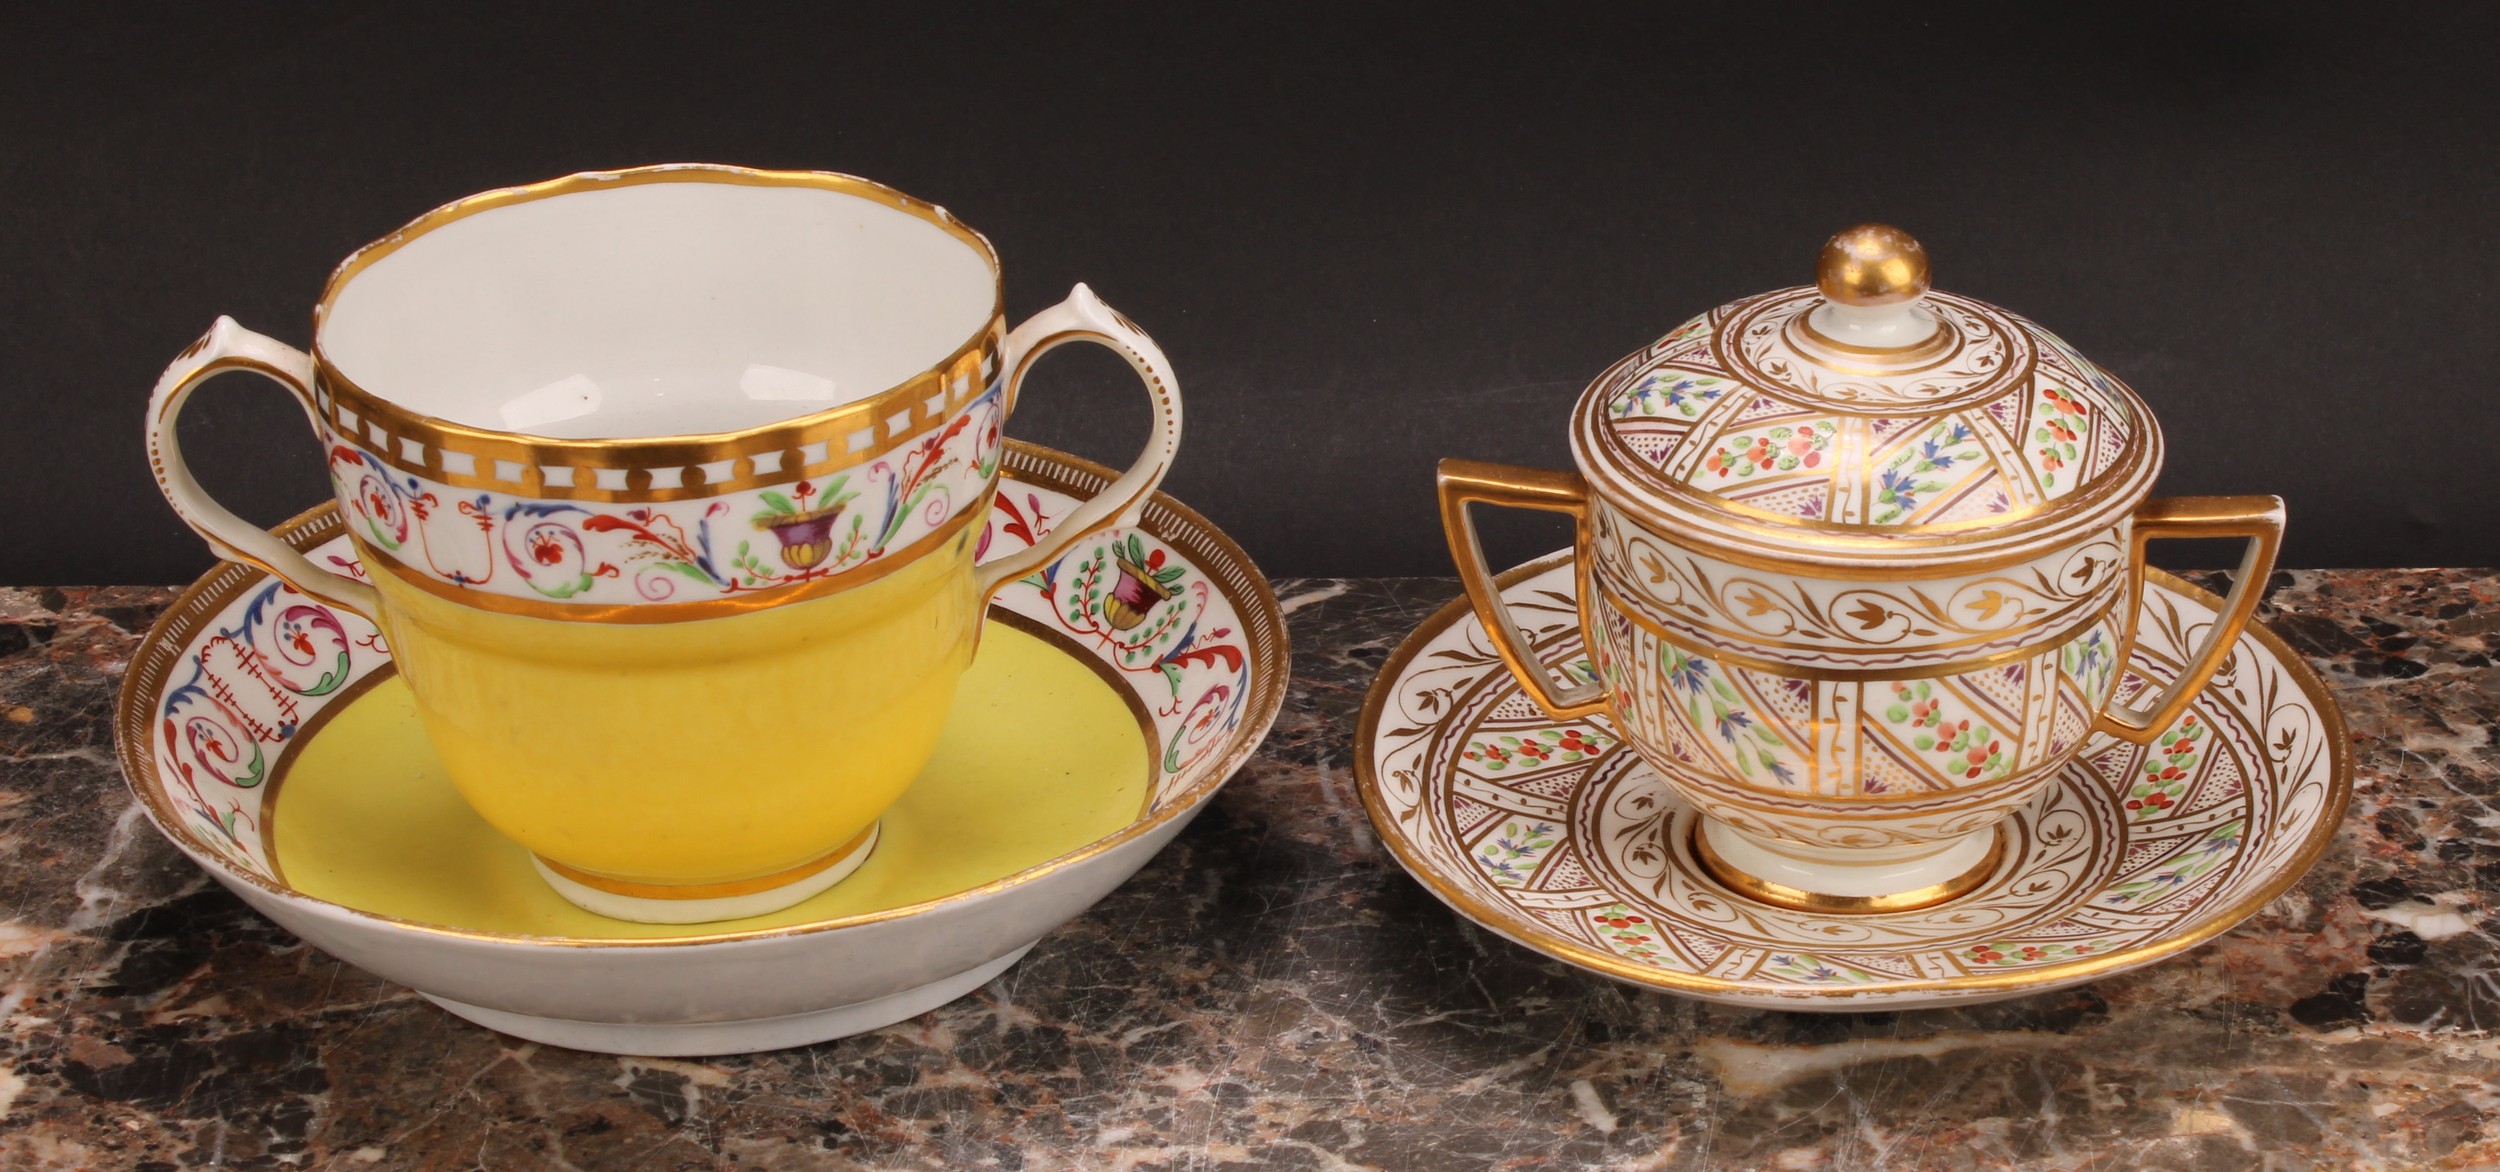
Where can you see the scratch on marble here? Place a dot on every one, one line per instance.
(98, 903)
(2199, 1119)
(1592, 1109)
(1748, 1069)
(19, 939)
(1316, 594)
(2428, 920)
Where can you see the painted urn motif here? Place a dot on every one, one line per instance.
(805, 537)
(806, 534)
(1144, 584)
(1855, 566)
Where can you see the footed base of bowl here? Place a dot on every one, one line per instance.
(712, 1039)
(643, 904)
(1846, 881)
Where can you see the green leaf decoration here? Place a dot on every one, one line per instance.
(777, 502)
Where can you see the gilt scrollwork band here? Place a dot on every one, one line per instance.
(1987, 355)
(1797, 621)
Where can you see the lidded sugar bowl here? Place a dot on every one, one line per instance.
(1858, 566)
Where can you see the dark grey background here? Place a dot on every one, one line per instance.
(1368, 239)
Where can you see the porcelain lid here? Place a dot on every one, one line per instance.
(1866, 415)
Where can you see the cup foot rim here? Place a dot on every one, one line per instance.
(600, 898)
(1782, 895)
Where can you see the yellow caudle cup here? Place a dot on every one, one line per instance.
(664, 485)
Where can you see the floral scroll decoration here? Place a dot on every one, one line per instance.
(1140, 607)
(1663, 390)
(1909, 476)
(1714, 709)
(272, 659)
(2060, 425)
(1512, 854)
(1783, 448)
(1561, 745)
(681, 550)
(1669, 393)
(1967, 751)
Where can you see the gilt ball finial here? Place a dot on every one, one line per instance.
(1872, 264)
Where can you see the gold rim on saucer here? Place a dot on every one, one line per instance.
(1839, 960)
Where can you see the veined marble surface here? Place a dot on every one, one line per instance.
(1273, 992)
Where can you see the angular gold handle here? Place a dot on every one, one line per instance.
(1464, 482)
(2257, 518)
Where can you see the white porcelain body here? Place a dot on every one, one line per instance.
(2133, 854)
(1857, 600)
(1823, 711)
(621, 309)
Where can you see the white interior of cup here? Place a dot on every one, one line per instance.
(658, 309)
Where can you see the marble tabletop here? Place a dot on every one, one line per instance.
(1273, 992)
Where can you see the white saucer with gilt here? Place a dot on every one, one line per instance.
(1559, 838)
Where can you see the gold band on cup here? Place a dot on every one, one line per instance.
(525, 465)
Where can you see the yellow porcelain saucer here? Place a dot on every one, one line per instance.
(1040, 757)
(268, 737)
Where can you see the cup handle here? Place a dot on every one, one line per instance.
(228, 346)
(2258, 518)
(1084, 318)
(1464, 482)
